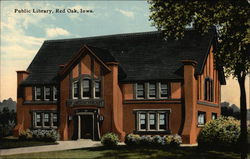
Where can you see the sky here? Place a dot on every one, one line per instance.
(22, 33)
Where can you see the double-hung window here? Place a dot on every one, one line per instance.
(55, 93)
(152, 120)
(47, 119)
(152, 90)
(38, 93)
(86, 88)
(97, 89)
(142, 121)
(47, 94)
(140, 90)
(201, 118)
(75, 90)
(164, 90)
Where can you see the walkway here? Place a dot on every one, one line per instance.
(63, 145)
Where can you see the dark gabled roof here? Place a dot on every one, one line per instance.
(141, 56)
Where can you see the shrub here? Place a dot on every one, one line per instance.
(132, 139)
(145, 140)
(38, 134)
(109, 139)
(220, 133)
(45, 135)
(25, 135)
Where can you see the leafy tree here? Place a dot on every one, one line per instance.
(230, 17)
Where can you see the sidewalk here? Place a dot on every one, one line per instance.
(63, 145)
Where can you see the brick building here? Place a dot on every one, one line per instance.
(123, 83)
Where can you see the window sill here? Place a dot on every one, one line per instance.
(200, 126)
(91, 101)
(207, 103)
(152, 132)
(39, 102)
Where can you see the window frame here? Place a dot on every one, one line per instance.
(212, 116)
(100, 86)
(35, 93)
(55, 93)
(73, 89)
(160, 90)
(147, 113)
(155, 90)
(144, 92)
(198, 120)
(89, 87)
(44, 93)
(209, 89)
(51, 114)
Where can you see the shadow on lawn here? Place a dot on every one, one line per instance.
(128, 152)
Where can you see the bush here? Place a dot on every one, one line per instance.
(173, 140)
(132, 139)
(221, 133)
(40, 135)
(109, 139)
(25, 135)
(146, 140)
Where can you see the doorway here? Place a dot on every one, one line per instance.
(87, 126)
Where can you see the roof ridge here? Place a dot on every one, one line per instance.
(106, 36)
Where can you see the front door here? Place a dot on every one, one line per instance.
(87, 126)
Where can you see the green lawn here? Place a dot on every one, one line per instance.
(125, 152)
(14, 143)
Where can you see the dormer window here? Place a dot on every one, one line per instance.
(208, 91)
(47, 94)
(86, 88)
(152, 90)
(140, 91)
(75, 90)
(55, 92)
(38, 93)
(164, 90)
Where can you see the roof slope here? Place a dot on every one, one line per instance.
(142, 56)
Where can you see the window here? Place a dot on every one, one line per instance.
(208, 91)
(97, 89)
(164, 90)
(214, 116)
(201, 118)
(152, 90)
(38, 122)
(162, 121)
(45, 120)
(152, 120)
(75, 90)
(55, 92)
(38, 93)
(54, 119)
(142, 119)
(140, 92)
(47, 93)
(86, 88)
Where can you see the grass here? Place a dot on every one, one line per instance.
(126, 152)
(15, 143)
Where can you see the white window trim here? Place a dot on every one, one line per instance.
(94, 87)
(36, 93)
(82, 83)
(160, 83)
(55, 92)
(201, 113)
(148, 90)
(51, 125)
(147, 112)
(136, 94)
(73, 89)
(44, 93)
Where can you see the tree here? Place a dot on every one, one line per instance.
(231, 18)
